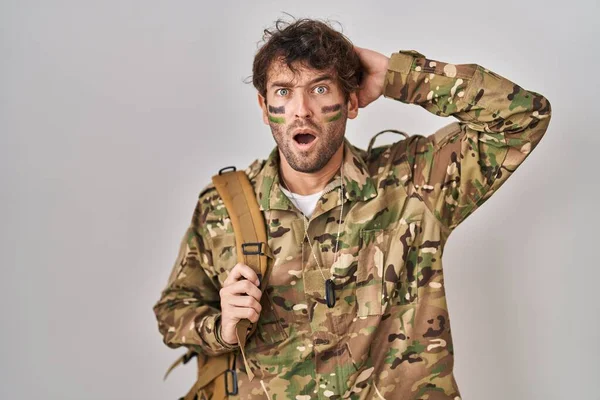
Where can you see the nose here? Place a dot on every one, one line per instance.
(302, 107)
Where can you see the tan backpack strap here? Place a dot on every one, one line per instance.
(237, 193)
(181, 360)
(213, 369)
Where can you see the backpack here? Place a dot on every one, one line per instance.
(217, 378)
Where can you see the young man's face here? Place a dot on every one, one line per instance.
(307, 114)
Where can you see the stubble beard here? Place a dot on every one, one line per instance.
(314, 160)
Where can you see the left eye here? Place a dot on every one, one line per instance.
(320, 89)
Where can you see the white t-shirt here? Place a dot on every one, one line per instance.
(306, 203)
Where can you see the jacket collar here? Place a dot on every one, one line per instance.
(359, 185)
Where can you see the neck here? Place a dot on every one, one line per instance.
(305, 183)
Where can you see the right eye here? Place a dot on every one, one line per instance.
(282, 92)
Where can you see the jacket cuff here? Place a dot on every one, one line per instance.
(210, 333)
(399, 66)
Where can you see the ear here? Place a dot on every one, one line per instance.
(352, 105)
(263, 104)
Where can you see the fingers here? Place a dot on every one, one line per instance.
(245, 302)
(233, 314)
(240, 271)
(240, 298)
(243, 287)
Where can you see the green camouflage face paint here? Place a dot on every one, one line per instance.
(276, 120)
(333, 108)
(276, 110)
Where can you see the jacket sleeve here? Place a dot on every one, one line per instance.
(458, 168)
(188, 311)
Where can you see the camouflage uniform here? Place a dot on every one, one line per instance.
(388, 336)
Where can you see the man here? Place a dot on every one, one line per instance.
(355, 306)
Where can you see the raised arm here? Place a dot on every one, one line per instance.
(459, 167)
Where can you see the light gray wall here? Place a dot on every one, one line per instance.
(114, 114)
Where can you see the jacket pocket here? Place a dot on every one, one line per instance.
(263, 349)
(372, 251)
(269, 330)
(400, 279)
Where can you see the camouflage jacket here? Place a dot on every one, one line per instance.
(388, 335)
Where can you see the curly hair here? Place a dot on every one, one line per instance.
(311, 43)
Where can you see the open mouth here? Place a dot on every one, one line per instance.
(304, 138)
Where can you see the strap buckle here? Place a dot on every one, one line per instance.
(187, 357)
(259, 248)
(234, 390)
(233, 169)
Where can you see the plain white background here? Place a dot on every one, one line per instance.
(115, 114)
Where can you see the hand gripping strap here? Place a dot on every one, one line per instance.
(237, 193)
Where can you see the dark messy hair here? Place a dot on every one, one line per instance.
(311, 43)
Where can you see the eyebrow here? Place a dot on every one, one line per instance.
(288, 84)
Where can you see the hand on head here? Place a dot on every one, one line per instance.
(373, 81)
